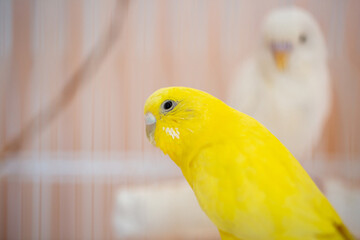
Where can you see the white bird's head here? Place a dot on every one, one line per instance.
(290, 39)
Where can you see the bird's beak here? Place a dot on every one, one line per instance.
(281, 52)
(150, 123)
(281, 59)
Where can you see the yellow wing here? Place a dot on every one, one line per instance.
(251, 187)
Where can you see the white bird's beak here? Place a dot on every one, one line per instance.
(281, 52)
(150, 123)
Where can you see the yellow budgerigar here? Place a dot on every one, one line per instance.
(245, 180)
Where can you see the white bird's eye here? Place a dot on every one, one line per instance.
(168, 105)
(302, 38)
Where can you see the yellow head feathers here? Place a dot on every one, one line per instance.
(176, 115)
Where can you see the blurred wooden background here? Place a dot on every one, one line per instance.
(156, 44)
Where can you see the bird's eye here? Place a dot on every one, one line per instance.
(302, 38)
(168, 105)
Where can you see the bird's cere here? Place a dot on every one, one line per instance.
(150, 119)
(281, 46)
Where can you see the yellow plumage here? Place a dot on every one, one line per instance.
(245, 180)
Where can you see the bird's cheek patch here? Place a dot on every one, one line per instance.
(174, 133)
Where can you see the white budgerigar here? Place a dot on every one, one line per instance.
(285, 85)
(160, 211)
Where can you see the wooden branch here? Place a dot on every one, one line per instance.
(80, 77)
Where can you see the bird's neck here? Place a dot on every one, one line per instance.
(182, 159)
